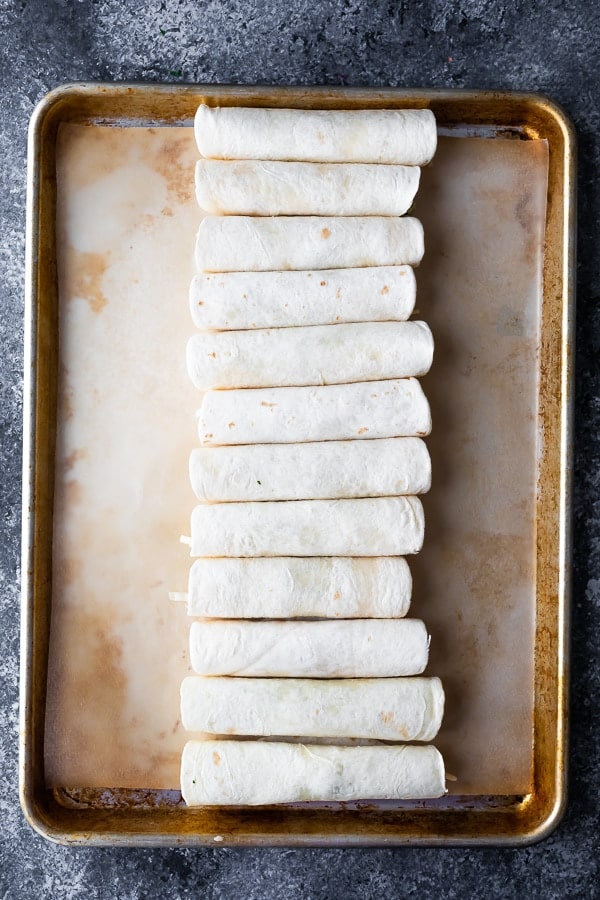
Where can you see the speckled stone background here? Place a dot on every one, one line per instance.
(549, 46)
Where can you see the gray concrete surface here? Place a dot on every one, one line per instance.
(550, 47)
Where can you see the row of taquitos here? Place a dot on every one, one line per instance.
(340, 519)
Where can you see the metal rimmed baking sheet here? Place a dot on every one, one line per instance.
(510, 811)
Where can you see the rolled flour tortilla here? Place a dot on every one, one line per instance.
(349, 648)
(255, 773)
(317, 354)
(379, 526)
(390, 709)
(371, 409)
(250, 243)
(288, 587)
(324, 470)
(402, 136)
(230, 301)
(262, 188)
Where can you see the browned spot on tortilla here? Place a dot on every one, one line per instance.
(167, 211)
(387, 717)
(216, 758)
(373, 395)
(231, 425)
(85, 278)
(323, 284)
(214, 355)
(337, 595)
(362, 430)
(73, 457)
(245, 296)
(325, 233)
(200, 302)
(385, 289)
(338, 293)
(402, 273)
(264, 403)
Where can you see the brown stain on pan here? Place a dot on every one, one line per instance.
(171, 161)
(73, 458)
(98, 693)
(86, 274)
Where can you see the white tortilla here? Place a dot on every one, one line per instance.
(230, 301)
(262, 188)
(406, 137)
(317, 354)
(324, 470)
(381, 526)
(257, 773)
(375, 409)
(289, 587)
(350, 648)
(250, 243)
(390, 709)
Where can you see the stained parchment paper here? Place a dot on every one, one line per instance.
(127, 218)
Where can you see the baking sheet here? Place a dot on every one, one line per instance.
(126, 223)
